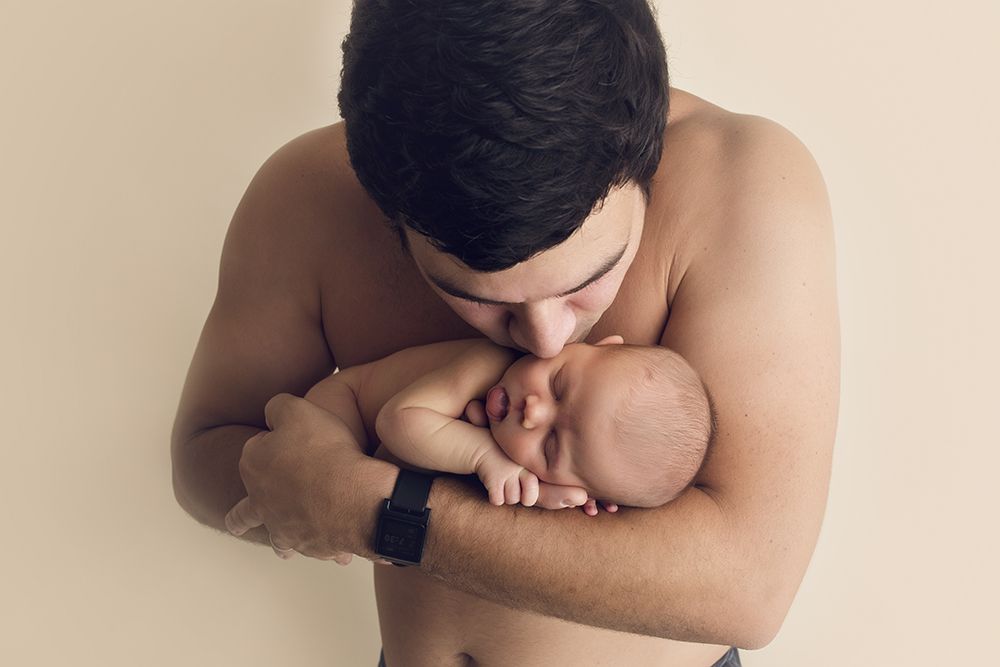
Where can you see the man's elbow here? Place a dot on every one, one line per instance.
(756, 633)
(183, 497)
(748, 625)
(757, 615)
(185, 492)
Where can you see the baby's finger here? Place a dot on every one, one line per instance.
(512, 490)
(497, 493)
(529, 487)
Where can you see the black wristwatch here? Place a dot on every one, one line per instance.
(402, 525)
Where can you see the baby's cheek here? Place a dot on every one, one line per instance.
(512, 446)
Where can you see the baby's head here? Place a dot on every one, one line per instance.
(664, 424)
(630, 424)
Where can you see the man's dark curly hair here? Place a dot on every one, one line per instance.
(495, 127)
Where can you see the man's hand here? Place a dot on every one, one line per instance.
(290, 473)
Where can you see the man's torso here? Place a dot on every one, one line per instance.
(375, 302)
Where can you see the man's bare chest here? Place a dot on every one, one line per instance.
(375, 302)
(378, 303)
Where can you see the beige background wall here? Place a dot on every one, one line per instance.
(128, 132)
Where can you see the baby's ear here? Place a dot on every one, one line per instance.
(611, 340)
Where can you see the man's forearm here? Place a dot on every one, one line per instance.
(686, 571)
(696, 569)
(206, 475)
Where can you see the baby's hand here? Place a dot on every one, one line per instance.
(506, 482)
(475, 413)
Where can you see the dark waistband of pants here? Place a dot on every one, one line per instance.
(730, 659)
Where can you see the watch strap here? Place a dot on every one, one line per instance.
(411, 491)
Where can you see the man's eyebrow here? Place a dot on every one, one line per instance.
(459, 293)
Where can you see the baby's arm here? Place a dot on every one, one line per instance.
(422, 425)
(356, 394)
(336, 394)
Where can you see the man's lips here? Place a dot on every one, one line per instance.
(497, 403)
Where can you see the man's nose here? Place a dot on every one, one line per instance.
(543, 328)
(537, 412)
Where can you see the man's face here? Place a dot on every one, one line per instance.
(552, 299)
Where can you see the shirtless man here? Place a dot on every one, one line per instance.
(729, 261)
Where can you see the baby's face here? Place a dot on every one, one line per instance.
(555, 416)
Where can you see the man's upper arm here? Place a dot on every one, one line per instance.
(263, 335)
(756, 315)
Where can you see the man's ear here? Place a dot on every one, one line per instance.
(611, 340)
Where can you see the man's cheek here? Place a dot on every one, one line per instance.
(485, 319)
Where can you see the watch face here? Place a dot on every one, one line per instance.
(400, 540)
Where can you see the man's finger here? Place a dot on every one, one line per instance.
(276, 409)
(249, 446)
(280, 552)
(241, 518)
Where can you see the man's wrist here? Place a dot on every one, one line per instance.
(372, 482)
(404, 518)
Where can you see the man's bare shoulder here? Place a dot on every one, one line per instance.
(307, 190)
(729, 182)
(715, 158)
(307, 232)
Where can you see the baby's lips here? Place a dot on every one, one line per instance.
(497, 403)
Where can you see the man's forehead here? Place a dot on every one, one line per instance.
(595, 249)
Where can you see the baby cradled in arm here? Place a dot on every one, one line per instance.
(614, 423)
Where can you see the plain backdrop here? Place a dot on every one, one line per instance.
(128, 132)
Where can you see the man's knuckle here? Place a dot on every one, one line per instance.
(280, 405)
(245, 468)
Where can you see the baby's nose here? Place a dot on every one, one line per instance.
(535, 412)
